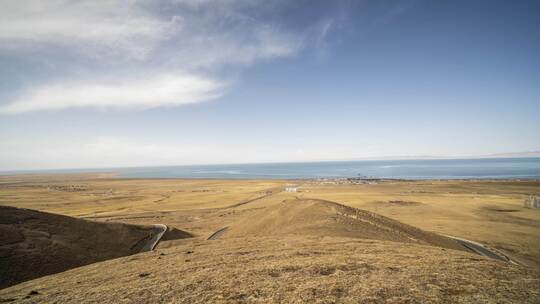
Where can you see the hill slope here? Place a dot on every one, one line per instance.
(34, 244)
(288, 269)
(313, 217)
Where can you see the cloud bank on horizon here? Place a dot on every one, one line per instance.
(139, 54)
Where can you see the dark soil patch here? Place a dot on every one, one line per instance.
(404, 203)
(497, 209)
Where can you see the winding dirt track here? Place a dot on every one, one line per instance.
(216, 235)
(482, 250)
(154, 241)
(270, 192)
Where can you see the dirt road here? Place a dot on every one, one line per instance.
(216, 235)
(152, 243)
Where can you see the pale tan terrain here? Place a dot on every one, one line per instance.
(490, 212)
(309, 217)
(295, 246)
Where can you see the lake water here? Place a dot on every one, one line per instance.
(496, 168)
(402, 169)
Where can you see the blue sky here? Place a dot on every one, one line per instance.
(139, 83)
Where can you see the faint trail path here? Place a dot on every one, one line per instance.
(152, 243)
(269, 193)
(482, 250)
(216, 235)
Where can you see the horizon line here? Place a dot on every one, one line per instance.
(535, 154)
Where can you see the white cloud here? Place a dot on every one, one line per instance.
(93, 152)
(118, 26)
(163, 90)
(110, 151)
(135, 38)
(211, 49)
(113, 151)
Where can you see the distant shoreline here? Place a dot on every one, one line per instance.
(52, 177)
(426, 169)
(112, 169)
(357, 171)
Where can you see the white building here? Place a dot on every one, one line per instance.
(532, 202)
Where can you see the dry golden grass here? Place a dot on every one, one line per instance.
(288, 270)
(247, 266)
(490, 212)
(104, 197)
(309, 217)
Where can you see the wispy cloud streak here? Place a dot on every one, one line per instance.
(166, 53)
(164, 90)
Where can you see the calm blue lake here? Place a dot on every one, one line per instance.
(503, 168)
(403, 169)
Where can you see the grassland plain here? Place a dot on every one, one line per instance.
(489, 212)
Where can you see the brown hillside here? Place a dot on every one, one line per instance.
(313, 217)
(34, 244)
(288, 269)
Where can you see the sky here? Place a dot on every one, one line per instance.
(99, 84)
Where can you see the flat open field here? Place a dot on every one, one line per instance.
(489, 212)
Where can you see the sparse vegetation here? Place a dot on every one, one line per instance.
(297, 246)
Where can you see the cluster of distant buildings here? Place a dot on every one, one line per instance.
(532, 202)
(347, 180)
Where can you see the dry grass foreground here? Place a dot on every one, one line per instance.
(288, 270)
(271, 262)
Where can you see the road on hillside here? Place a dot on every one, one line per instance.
(269, 193)
(152, 243)
(482, 250)
(216, 235)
